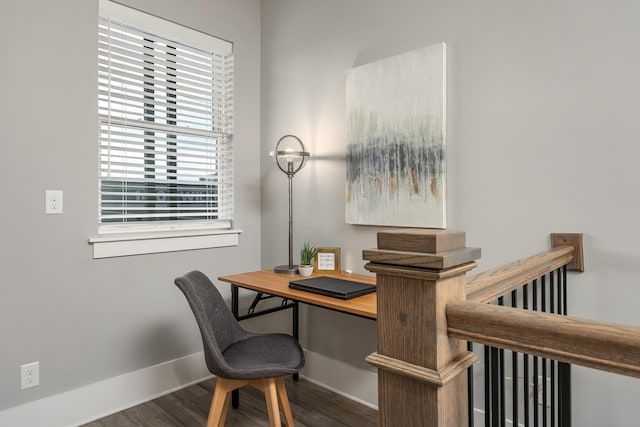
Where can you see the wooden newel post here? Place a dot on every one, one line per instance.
(422, 373)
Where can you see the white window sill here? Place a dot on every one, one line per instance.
(115, 245)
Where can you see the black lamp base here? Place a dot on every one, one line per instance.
(285, 269)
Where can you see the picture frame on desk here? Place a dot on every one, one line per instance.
(327, 260)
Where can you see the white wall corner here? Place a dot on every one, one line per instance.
(341, 378)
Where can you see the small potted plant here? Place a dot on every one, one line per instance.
(307, 254)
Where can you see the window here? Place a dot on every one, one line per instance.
(165, 116)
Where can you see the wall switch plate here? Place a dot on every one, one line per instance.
(53, 202)
(30, 375)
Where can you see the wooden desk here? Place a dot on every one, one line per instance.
(269, 282)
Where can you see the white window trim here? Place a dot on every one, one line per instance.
(118, 12)
(159, 237)
(126, 244)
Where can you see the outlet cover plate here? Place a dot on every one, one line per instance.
(53, 202)
(30, 375)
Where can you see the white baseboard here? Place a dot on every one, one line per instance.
(88, 403)
(94, 401)
(341, 378)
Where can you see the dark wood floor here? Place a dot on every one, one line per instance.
(311, 406)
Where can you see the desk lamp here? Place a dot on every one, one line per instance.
(290, 157)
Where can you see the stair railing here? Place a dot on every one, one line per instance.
(428, 309)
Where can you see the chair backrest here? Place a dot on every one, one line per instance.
(218, 326)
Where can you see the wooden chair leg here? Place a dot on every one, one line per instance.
(217, 408)
(271, 396)
(273, 389)
(220, 401)
(225, 409)
(284, 401)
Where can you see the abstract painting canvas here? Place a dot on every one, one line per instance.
(396, 152)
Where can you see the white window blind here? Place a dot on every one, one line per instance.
(165, 117)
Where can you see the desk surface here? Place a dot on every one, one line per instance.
(278, 284)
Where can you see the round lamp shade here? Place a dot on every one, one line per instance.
(290, 154)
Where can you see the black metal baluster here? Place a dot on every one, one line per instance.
(495, 388)
(487, 386)
(501, 376)
(564, 289)
(470, 408)
(554, 407)
(536, 418)
(514, 371)
(525, 364)
(564, 369)
(543, 302)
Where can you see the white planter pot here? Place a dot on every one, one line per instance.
(305, 270)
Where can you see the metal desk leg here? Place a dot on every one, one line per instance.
(295, 326)
(235, 394)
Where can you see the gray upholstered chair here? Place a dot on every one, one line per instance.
(238, 357)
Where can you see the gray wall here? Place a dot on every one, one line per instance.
(542, 137)
(86, 320)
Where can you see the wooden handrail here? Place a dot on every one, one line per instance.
(605, 346)
(489, 285)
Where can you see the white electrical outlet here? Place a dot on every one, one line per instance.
(30, 375)
(53, 202)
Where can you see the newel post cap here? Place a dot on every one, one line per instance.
(421, 248)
